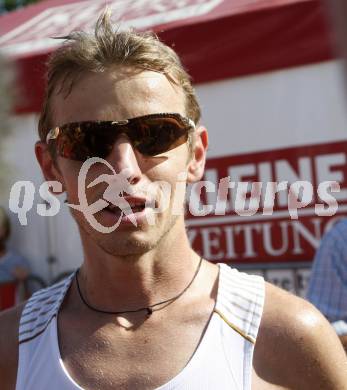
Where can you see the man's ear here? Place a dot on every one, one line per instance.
(196, 164)
(49, 168)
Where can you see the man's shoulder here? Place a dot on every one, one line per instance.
(296, 346)
(281, 304)
(9, 325)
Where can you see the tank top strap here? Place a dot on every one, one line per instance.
(240, 301)
(41, 308)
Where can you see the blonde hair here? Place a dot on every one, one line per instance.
(83, 52)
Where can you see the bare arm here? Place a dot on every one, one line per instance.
(9, 324)
(297, 348)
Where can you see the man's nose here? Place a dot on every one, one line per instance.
(123, 156)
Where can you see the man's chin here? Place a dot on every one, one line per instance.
(121, 242)
(127, 242)
(129, 247)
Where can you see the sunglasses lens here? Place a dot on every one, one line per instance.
(158, 135)
(86, 139)
(150, 135)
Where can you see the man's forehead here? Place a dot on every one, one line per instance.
(120, 76)
(115, 78)
(144, 81)
(120, 90)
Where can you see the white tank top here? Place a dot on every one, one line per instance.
(223, 359)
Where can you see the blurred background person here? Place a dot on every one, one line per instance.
(328, 282)
(14, 268)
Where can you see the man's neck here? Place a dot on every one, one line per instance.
(114, 283)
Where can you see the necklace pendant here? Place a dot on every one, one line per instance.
(149, 311)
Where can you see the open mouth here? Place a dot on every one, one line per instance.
(131, 209)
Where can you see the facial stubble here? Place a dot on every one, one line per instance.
(126, 243)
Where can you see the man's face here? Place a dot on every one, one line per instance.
(116, 95)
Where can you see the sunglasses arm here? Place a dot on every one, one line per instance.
(52, 134)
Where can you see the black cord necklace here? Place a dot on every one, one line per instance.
(150, 309)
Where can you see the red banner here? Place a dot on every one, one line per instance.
(255, 232)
